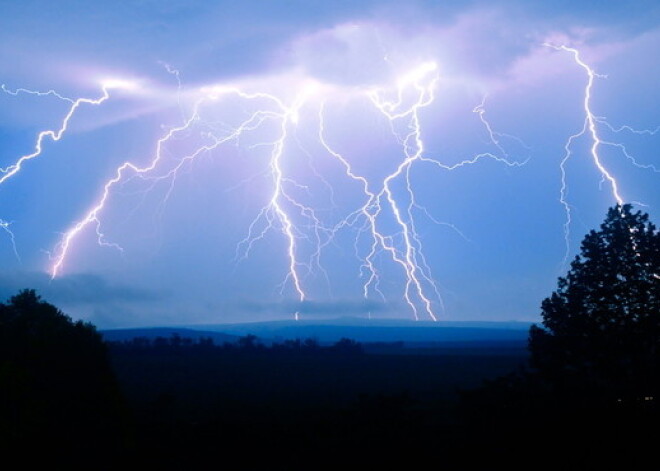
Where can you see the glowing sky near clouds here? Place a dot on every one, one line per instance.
(430, 162)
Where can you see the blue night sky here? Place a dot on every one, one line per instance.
(259, 160)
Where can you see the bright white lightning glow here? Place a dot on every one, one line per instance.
(590, 128)
(115, 83)
(55, 135)
(413, 92)
(380, 198)
(402, 105)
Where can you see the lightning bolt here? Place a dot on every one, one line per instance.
(408, 254)
(55, 135)
(401, 108)
(411, 257)
(390, 198)
(591, 129)
(4, 225)
(622, 148)
(274, 213)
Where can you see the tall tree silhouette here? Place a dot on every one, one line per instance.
(57, 389)
(601, 327)
(595, 361)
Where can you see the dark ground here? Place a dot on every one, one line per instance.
(297, 405)
(282, 409)
(307, 406)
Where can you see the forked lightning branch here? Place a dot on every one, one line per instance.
(400, 103)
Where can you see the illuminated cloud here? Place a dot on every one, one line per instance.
(376, 154)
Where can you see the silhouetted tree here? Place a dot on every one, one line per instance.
(595, 360)
(601, 327)
(56, 385)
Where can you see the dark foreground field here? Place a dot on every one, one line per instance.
(161, 400)
(282, 407)
(301, 405)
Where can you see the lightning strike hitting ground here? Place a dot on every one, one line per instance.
(413, 92)
(409, 253)
(590, 128)
(55, 135)
(382, 200)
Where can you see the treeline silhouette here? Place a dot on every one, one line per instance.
(247, 344)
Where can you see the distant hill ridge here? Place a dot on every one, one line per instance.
(362, 330)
